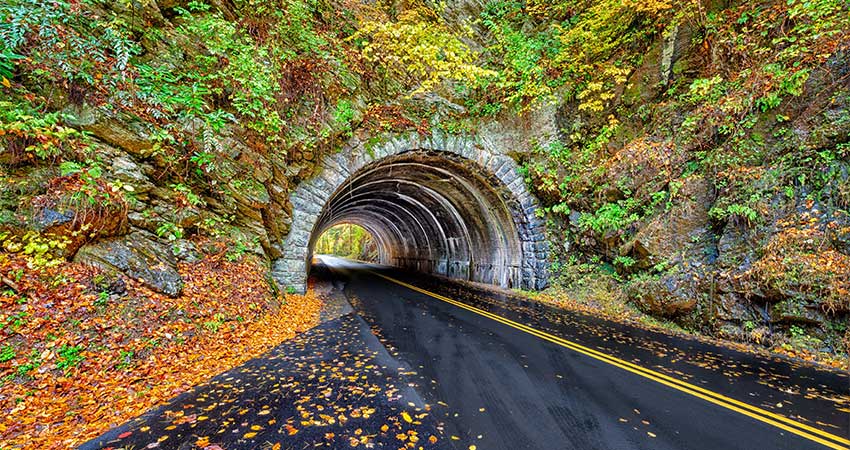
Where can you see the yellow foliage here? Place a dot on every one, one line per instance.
(419, 51)
(595, 97)
(651, 7)
(40, 251)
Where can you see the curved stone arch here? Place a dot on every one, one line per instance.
(311, 196)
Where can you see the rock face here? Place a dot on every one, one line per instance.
(139, 256)
(679, 233)
(671, 296)
(697, 233)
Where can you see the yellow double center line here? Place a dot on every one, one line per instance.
(782, 422)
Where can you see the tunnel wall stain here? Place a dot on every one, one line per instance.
(475, 223)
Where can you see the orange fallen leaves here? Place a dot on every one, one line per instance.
(225, 316)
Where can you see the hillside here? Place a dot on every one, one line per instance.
(691, 160)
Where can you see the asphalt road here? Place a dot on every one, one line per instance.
(404, 360)
(506, 388)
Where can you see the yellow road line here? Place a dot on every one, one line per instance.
(782, 422)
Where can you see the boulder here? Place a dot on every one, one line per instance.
(126, 170)
(797, 311)
(186, 251)
(77, 227)
(733, 307)
(840, 236)
(127, 134)
(677, 233)
(139, 256)
(48, 217)
(111, 283)
(670, 296)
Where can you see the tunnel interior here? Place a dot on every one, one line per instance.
(437, 213)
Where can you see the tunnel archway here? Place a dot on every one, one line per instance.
(442, 206)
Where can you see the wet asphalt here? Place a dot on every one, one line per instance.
(507, 389)
(406, 370)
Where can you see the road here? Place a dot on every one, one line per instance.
(458, 366)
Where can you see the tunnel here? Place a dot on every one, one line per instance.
(459, 214)
(431, 213)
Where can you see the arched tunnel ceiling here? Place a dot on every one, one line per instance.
(434, 213)
(429, 210)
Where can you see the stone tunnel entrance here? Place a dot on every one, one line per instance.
(450, 209)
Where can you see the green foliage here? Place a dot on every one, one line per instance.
(215, 324)
(102, 298)
(33, 363)
(239, 249)
(706, 90)
(69, 357)
(575, 43)
(64, 43)
(125, 358)
(610, 217)
(523, 73)
(343, 115)
(7, 64)
(346, 240)
(625, 261)
(192, 198)
(170, 231)
(7, 353)
(28, 133)
(735, 210)
(251, 79)
(294, 27)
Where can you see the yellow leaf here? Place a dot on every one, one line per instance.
(6, 83)
(249, 435)
(406, 417)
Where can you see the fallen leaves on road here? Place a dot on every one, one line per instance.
(326, 388)
(75, 362)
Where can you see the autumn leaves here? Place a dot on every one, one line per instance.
(329, 388)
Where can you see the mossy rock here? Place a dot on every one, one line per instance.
(797, 311)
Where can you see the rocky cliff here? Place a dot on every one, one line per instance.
(694, 158)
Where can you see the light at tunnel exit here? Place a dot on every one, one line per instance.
(347, 240)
